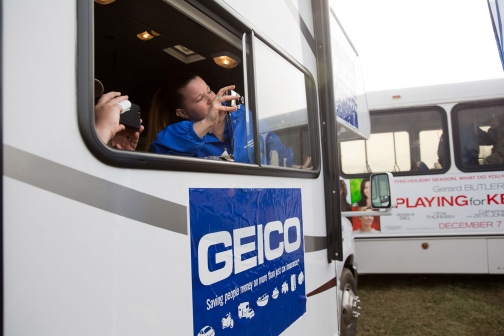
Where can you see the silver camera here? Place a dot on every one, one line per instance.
(237, 102)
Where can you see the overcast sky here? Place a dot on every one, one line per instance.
(408, 43)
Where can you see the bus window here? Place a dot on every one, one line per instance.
(282, 109)
(142, 50)
(479, 137)
(403, 141)
(377, 154)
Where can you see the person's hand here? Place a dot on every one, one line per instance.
(216, 112)
(107, 113)
(127, 139)
(304, 165)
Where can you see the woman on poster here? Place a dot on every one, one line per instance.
(366, 222)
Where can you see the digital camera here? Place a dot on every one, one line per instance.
(130, 115)
(237, 102)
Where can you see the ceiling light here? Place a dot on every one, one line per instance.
(226, 59)
(145, 36)
(104, 2)
(183, 54)
(155, 33)
(184, 50)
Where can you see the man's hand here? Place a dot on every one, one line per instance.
(127, 139)
(107, 113)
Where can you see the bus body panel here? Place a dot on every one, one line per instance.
(495, 252)
(406, 255)
(435, 94)
(71, 267)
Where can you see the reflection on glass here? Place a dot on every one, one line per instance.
(282, 110)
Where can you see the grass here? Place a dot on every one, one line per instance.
(431, 305)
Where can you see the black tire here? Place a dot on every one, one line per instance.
(348, 286)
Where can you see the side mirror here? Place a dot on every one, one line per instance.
(382, 196)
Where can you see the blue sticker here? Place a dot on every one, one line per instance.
(344, 85)
(346, 109)
(247, 260)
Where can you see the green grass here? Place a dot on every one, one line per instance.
(431, 305)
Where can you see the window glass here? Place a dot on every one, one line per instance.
(399, 142)
(480, 136)
(429, 144)
(383, 153)
(282, 110)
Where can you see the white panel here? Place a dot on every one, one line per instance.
(495, 256)
(407, 256)
(436, 94)
(71, 269)
(317, 321)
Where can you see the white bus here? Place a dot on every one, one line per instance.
(101, 241)
(445, 146)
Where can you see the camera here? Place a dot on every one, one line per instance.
(130, 115)
(237, 102)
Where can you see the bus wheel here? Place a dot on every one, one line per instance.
(349, 304)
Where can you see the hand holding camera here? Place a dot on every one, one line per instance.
(107, 115)
(235, 102)
(130, 114)
(221, 105)
(113, 113)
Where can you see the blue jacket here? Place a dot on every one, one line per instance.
(180, 139)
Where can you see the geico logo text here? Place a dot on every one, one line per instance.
(234, 254)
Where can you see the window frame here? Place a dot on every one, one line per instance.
(151, 161)
(456, 138)
(446, 142)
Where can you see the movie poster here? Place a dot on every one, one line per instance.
(360, 196)
(436, 204)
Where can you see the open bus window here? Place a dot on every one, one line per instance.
(377, 154)
(479, 135)
(139, 48)
(405, 141)
(282, 108)
(142, 48)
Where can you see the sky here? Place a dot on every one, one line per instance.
(409, 43)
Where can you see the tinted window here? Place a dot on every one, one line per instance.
(479, 137)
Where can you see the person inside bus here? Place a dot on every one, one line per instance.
(440, 153)
(496, 132)
(418, 165)
(188, 118)
(366, 222)
(107, 113)
(471, 137)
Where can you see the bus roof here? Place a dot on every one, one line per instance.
(436, 94)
